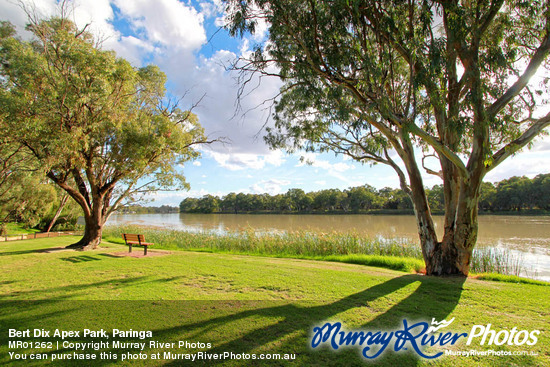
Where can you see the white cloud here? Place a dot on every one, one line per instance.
(212, 9)
(175, 197)
(309, 158)
(341, 167)
(530, 164)
(197, 163)
(96, 14)
(167, 22)
(272, 187)
(208, 80)
(241, 161)
(131, 48)
(275, 158)
(542, 145)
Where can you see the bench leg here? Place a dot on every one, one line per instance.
(130, 250)
(145, 250)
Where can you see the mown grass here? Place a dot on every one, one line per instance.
(342, 247)
(509, 278)
(250, 304)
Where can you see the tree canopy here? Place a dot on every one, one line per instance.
(101, 129)
(376, 80)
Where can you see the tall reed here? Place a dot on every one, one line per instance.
(495, 260)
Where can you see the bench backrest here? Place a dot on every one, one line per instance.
(133, 237)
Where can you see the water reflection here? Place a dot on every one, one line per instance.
(525, 236)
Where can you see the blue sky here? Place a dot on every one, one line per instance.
(185, 40)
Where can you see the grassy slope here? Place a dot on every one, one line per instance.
(252, 304)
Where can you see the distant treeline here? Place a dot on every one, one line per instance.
(514, 194)
(138, 209)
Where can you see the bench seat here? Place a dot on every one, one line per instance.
(136, 239)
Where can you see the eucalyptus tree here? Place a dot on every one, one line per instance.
(99, 128)
(375, 80)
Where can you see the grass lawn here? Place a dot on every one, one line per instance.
(248, 304)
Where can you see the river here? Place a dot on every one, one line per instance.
(525, 236)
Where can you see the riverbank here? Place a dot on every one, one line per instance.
(255, 305)
(337, 247)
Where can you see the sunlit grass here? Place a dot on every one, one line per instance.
(509, 279)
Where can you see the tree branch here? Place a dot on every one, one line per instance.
(429, 170)
(512, 147)
(537, 59)
(75, 194)
(436, 145)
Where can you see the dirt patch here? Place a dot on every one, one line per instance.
(54, 249)
(137, 253)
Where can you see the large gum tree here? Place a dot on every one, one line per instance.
(388, 81)
(99, 128)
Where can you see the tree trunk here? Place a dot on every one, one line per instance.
(452, 256)
(64, 200)
(93, 227)
(92, 235)
(417, 193)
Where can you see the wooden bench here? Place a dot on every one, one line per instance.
(136, 239)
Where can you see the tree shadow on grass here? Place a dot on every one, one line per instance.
(79, 259)
(291, 333)
(106, 254)
(23, 252)
(66, 292)
(285, 326)
(36, 251)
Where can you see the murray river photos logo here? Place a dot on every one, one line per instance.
(417, 336)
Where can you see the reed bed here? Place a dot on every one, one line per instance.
(398, 254)
(495, 260)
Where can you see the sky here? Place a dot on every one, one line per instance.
(185, 39)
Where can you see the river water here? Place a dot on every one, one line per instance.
(524, 236)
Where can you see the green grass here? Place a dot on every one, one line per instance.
(509, 279)
(405, 264)
(251, 304)
(13, 229)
